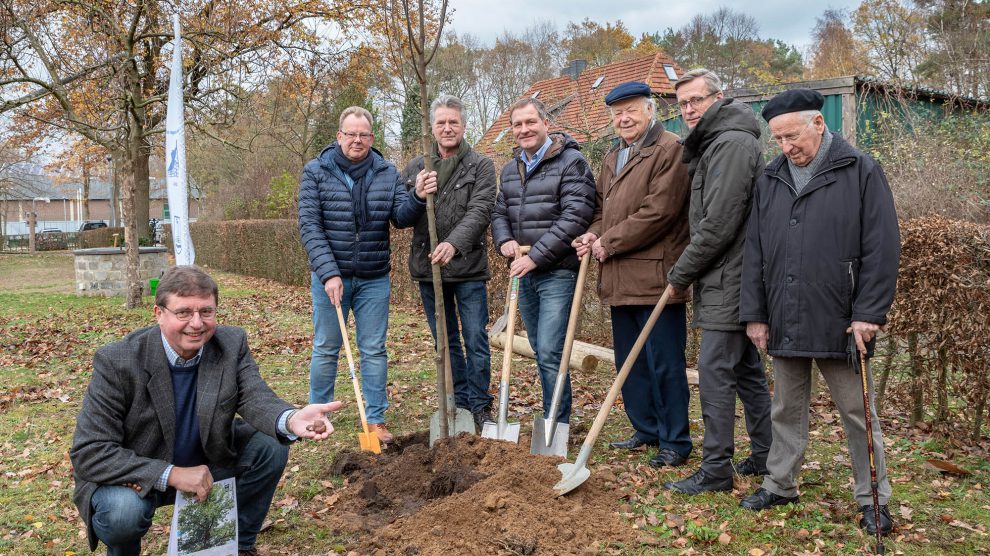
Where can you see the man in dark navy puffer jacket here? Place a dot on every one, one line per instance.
(547, 199)
(347, 197)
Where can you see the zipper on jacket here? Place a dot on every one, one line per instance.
(852, 281)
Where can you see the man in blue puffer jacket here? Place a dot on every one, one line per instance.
(347, 197)
(547, 199)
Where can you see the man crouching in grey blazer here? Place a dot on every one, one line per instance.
(158, 417)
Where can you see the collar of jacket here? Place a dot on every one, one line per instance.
(647, 145)
(724, 115)
(558, 142)
(326, 160)
(840, 154)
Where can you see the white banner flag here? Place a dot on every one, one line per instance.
(175, 158)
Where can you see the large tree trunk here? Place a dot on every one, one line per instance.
(129, 190)
(142, 189)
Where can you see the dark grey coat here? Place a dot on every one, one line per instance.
(125, 432)
(463, 212)
(548, 209)
(817, 261)
(724, 156)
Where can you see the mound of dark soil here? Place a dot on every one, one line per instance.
(471, 496)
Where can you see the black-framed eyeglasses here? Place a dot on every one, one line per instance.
(185, 314)
(352, 135)
(695, 101)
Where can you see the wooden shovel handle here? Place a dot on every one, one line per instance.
(510, 325)
(620, 379)
(575, 313)
(350, 365)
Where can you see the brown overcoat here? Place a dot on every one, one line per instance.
(641, 216)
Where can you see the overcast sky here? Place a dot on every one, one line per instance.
(788, 20)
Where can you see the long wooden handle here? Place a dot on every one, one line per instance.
(620, 379)
(510, 326)
(350, 366)
(575, 313)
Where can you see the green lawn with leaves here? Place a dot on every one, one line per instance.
(47, 340)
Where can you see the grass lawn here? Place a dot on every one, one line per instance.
(47, 340)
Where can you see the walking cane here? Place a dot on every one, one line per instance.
(874, 486)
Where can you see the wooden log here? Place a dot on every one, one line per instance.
(584, 356)
(520, 346)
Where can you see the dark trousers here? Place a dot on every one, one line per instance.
(121, 517)
(470, 365)
(729, 364)
(656, 393)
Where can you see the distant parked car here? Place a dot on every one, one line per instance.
(51, 239)
(92, 225)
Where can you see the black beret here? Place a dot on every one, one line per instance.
(794, 100)
(626, 90)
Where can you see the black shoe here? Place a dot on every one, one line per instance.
(700, 482)
(667, 458)
(869, 520)
(763, 499)
(749, 466)
(633, 443)
(482, 416)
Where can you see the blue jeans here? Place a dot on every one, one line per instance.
(121, 517)
(545, 303)
(655, 393)
(368, 298)
(472, 371)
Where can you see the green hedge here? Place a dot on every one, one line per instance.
(263, 248)
(100, 237)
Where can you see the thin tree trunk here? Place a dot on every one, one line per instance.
(941, 388)
(85, 193)
(917, 386)
(885, 372)
(981, 408)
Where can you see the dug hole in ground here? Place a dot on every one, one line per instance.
(470, 496)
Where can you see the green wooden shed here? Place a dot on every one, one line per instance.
(854, 103)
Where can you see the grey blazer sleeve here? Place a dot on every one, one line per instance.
(98, 452)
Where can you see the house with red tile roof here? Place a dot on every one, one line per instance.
(577, 106)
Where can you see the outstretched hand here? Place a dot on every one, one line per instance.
(311, 421)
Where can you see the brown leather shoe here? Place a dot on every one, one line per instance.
(379, 429)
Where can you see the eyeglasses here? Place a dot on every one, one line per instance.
(695, 101)
(790, 138)
(352, 135)
(185, 314)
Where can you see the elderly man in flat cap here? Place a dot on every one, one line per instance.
(639, 229)
(819, 268)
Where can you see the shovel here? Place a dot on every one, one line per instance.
(503, 430)
(499, 325)
(369, 440)
(549, 436)
(574, 474)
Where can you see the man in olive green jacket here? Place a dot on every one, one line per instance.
(465, 197)
(724, 158)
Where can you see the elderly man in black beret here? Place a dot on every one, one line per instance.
(820, 266)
